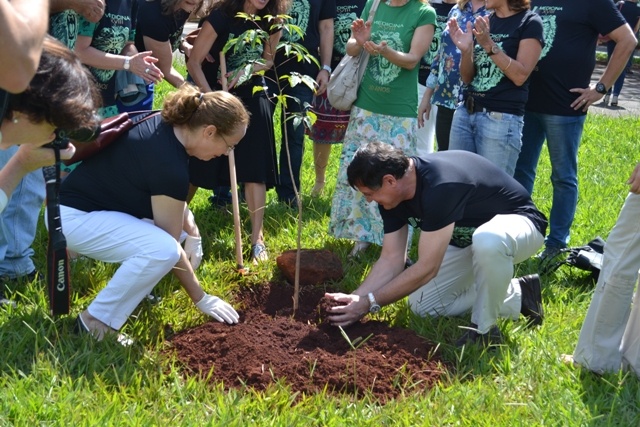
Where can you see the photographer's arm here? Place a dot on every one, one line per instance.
(23, 25)
(28, 158)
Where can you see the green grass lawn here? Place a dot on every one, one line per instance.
(51, 377)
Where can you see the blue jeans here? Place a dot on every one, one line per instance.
(18, 222)
(295, 136)
(495, 136)
(563, 134)
(617, 86)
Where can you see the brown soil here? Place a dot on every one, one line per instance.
(270, 343)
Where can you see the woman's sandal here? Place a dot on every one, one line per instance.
(81, 328)
(259, 253)
(358, 248)
(318, 188)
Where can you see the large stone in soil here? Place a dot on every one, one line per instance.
(317, 266)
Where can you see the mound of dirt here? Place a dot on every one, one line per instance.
(272, 343)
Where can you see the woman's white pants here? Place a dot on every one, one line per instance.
(146, 254)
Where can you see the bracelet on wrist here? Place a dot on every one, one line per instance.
(327, 69)
(508, 65)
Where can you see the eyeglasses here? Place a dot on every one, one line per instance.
(230, 148)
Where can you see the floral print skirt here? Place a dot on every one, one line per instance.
(351, 216)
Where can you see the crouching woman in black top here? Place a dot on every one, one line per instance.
(107, 202)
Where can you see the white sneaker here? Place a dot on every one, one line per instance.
(358, 248)
(614, 101)
(606, 99)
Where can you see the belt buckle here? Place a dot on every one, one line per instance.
(469, 104)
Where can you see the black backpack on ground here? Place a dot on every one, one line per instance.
(587, 257)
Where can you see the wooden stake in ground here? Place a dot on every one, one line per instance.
(234, 184)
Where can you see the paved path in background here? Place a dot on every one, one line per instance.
(629, 100)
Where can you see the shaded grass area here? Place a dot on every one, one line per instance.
(50, 376)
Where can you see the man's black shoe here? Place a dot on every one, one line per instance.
(472, 337)
(531, 307)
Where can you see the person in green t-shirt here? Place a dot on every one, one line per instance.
(387, 106)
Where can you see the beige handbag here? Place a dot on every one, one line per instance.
(342, 90)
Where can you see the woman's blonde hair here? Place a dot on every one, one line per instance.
(192, 108)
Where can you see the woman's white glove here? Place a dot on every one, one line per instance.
(218, 309)
(193, 249)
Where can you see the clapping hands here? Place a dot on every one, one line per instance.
(463, 40)
(361, 31)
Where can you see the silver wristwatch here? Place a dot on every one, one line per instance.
(127, 63)
(374, 307)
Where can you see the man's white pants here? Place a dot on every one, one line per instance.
(479, 277)
(426, 135)
(146, 253)
(610, 334)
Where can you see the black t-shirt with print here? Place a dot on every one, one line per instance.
(64, 27)
(154, 24)
(147, 161)
(347, 11)
(567, 60)
(490, 88)
(442, 13)
(114, 30)
(463, 188)
(227, 27)
(306, 14)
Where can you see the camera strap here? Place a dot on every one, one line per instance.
(58, 278)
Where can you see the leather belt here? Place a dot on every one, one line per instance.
(472, 107)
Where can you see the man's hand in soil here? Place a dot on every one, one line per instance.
(351, 309)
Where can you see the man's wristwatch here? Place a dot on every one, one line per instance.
(374, 307)
(601, 88)
(494, 49)
(127, 63)
(327, 69)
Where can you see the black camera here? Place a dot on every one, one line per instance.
(79, 135)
